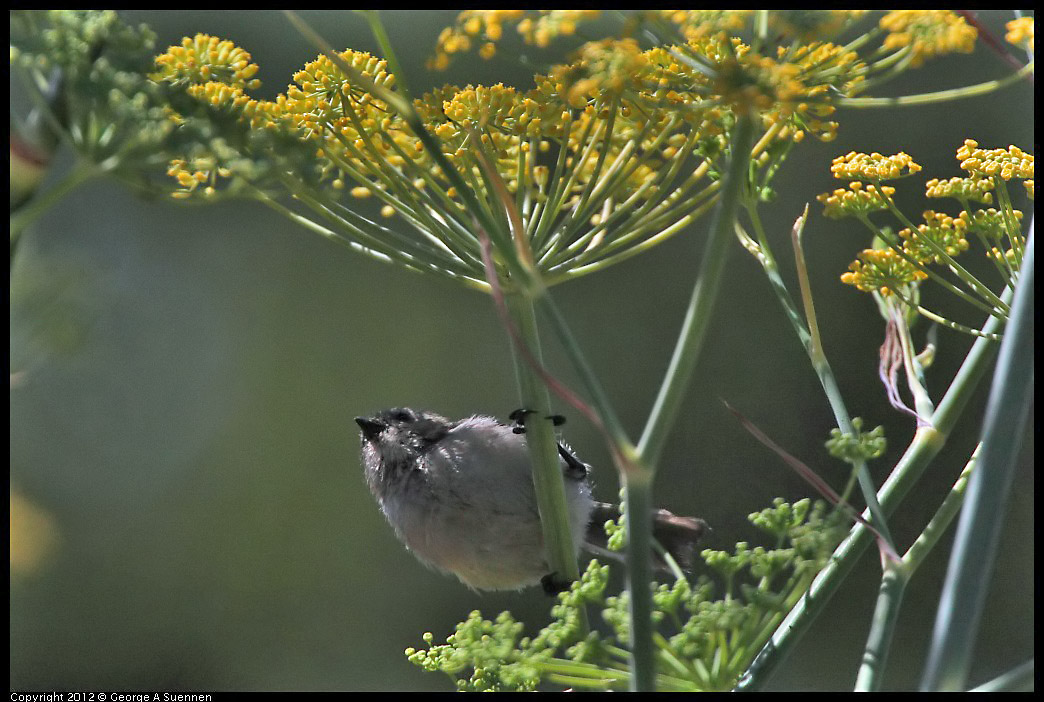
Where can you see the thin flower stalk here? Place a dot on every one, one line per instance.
(984, 292)
(940, 522)
(939, 96)
(896, 247)
(807, 329)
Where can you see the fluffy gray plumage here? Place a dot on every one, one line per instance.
(459, 495)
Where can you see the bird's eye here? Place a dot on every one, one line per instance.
(402, 416)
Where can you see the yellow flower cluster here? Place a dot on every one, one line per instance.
(1008, 163)
(354, 129)
(857, 201)
(205, 58)
(487, 26)
(260, 113)
(794, 88)
(322, 88)
(1020, 32)
(817, 58)
(698, 24)
(550, 24)
(1003, 256)
(941, 229)
(215, 72)
(928, 33)
(992, 226)
(192, 175)
(874, 166)
(971, 189)
(758, 83)
(591, 133)
(495, 107)
(824, 69)
(988, 222)
(604, 67)
(883, 271)
(942, 237)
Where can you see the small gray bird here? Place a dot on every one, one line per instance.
(460, 496)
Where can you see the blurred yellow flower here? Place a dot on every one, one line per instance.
(34, 535)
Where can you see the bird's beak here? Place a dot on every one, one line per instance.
(371, 426)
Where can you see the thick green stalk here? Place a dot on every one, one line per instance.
(882, 628)
(638, 493)
(941, 520)
(637, 482)
(979, 530)
(636, 477)
(928, 441)
(701, 304)
(543, 446)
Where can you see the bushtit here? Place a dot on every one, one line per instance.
(460, 496)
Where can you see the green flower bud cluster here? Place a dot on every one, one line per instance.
(714, 640)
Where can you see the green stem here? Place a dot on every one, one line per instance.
(852, 478)
(675, 227)
(941, 520)
(374, 252)
(928, 441)
(377, 28)
(701, 304)
(638, 493)
(1012, 227)
(882, 628)
(543, 447)
(887, 68)
(27, 214)
(979, 530)
(637, 482)
(807, 330)
(940, 96)
(765, 257)
(928, 314)
(828, 380)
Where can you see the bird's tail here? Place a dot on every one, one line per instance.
(677, 535)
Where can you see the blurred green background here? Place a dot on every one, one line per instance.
(181, 417)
